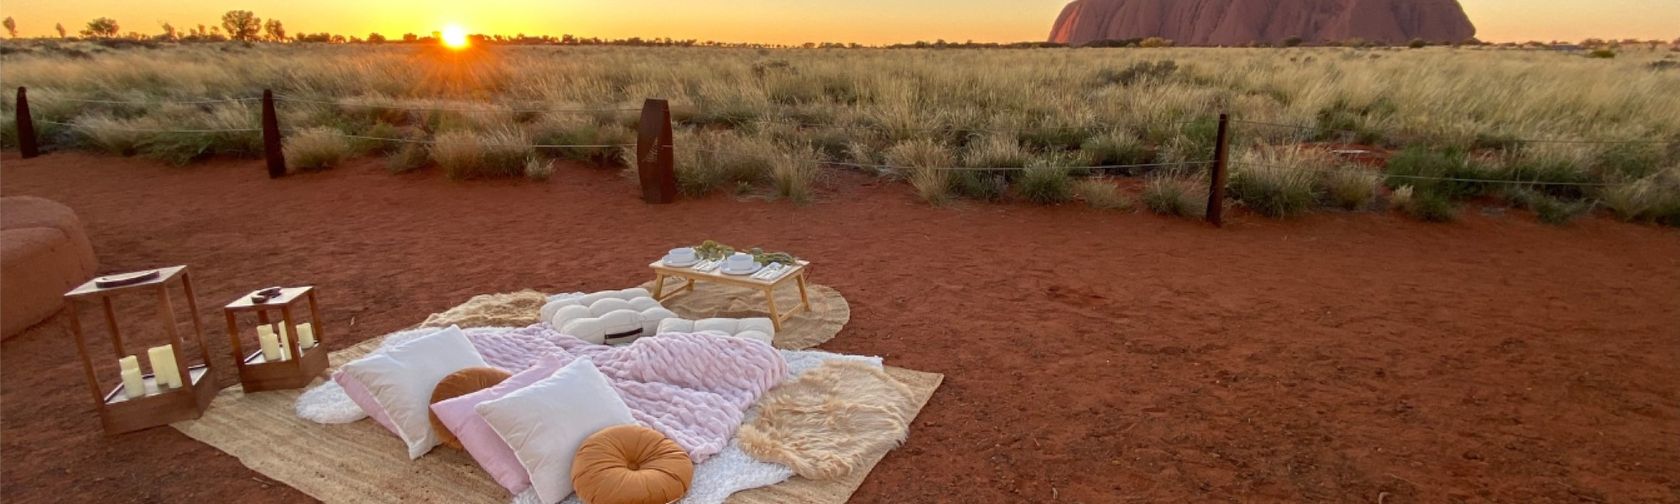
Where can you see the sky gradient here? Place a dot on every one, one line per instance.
(772, 21)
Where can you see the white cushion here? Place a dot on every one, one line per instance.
(546, 422)
(760, 329)
(593, 317)
(401, 380)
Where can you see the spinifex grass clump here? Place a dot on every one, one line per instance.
(1045, 182)
(1278, 182)
(1651, 199)
(316, 149)
(1176, 195)
(927, 165)
(468, 155)
(1349, 187)
(1430, 206)
(1448, 173)
(708, 161)
(794, 171)
(1101, 194)
(1115, 147)
(595, 143)
(1549, 209)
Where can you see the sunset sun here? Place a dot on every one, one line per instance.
(454, 37)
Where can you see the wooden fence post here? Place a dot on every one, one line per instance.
(26, 126)
(655, 153)
(1221, 162)
(271, 137)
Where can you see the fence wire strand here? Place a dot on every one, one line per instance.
(1457, 179)
(486, 107)
(889, 129)
(964, 168)
(149, 130)
(1551, 141)
(434, 142)
(50, 97)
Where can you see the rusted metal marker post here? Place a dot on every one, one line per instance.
(26, 126)
(271, 137)
(655, 154)
(1221, 160)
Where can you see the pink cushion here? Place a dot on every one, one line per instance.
(494, 455)
(362, 397)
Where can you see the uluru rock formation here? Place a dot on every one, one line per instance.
(1240, 22)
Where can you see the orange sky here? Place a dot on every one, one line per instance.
(773, 21)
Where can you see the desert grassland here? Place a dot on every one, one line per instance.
(773, 121)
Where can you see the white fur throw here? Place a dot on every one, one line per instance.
(595, 317)
(760, 329)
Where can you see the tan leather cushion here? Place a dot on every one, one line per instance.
(631, 464)
(46, 253)
(457, 384)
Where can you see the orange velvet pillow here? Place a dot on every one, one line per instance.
(631, 464)
(457, 384)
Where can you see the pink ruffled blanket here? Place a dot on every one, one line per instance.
(694, 388)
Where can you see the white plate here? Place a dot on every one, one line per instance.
(668, 262)
(756, 266)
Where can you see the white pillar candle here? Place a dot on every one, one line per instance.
(285, 342)
(306, 336)
(130, 363)
(134, 385)
(270, 343)
(163, 366)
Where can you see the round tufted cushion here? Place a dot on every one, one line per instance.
(631, 464)
(457, 384)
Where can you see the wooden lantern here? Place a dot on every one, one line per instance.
(256, 372)
(159, 405)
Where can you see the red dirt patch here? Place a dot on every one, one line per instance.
(1091, 357)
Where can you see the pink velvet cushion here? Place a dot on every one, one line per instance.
(362, 397)
(476, 436)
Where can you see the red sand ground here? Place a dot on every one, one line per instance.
(1091, 357)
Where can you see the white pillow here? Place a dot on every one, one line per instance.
(546, 422)
(401, 380)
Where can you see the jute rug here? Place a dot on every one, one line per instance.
(360, 462)
(828, 314)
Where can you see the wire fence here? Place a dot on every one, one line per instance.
(476, 107)
(1349, 132)
(902, 168)
(147, 130)
(1453, 179)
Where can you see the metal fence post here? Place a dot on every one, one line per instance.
(655, 153)
(1221, 160)
(26, 126)
(271, 137)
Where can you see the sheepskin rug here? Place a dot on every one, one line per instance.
(515, 309)
(824, 423)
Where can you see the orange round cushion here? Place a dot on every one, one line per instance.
(457, 384)
(631, 464)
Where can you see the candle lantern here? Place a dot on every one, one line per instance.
(176, 389)
(287, 356)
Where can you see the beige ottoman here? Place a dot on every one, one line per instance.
(43, 254)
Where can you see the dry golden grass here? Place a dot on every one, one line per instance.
(911, 108)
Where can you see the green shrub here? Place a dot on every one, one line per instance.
(984, 185)
(1182, 197)
(1550, 209)
(316, 148)
(398, 135)
(1423, 169)
(1101, 194)
(1602, 54)
(603, 143)
(113, 135)
(1045, 184)
(1424, 205)
(1628, 161)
